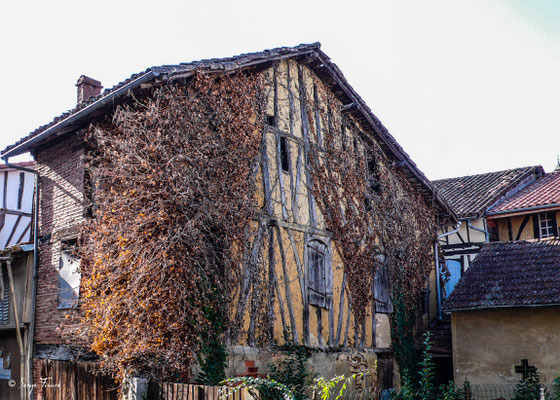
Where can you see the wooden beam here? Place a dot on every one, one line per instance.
(306, 148)
(13, 231)
(20, 239)
(20, 189)
(293, 326)
(300, 227)
(272, 285)
(349, 108)
(15, 212)
(248, 269)
(303, 286)
(5, 194)
(279, 169)
(340, 310)
(523, 224)
(16, 318)
(319, 326)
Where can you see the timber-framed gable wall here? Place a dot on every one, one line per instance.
(313, 304)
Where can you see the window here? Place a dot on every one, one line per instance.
(271, 120)
(319, 274)
(284, 154)
(69, 275)
(373, 173)
(547, 225)
(381, 286)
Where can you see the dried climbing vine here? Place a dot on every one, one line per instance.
(371, 209)
(174, 194)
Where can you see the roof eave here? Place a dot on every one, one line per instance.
(483, 308)
(371, 118)
(315, 52)
(521, 211)
(84, 112)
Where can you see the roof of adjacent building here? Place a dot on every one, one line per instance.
(471, 196)
(542, 193)
(28, 164)
(510, 274)
(309, 54)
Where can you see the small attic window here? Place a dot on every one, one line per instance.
(373, 173)
(284, 154)
(271, 120)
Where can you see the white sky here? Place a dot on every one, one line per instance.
(464, 86)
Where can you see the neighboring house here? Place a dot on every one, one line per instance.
(470, 197)
(16, 274)
(532, 213)
(321, 316)
(505, 310)
(16, 196)
(505, 314)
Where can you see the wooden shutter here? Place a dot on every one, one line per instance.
(552, 216)
(382, 289)
(315, 296)
(536, 226)
(319, 274)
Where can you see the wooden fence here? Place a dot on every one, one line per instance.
(64, 380)
(180, 391)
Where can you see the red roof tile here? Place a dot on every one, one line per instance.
(544, 192)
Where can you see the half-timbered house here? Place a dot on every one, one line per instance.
(504, 311)
(311, 287)
(16, 275)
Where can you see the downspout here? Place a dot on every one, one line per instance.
(31, 333)
(485, 231)
(438, 289)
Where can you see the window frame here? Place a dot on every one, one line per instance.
(547, 219)
(68, 247)
(319, 293)
(382, 286)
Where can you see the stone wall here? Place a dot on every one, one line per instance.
(488, 344)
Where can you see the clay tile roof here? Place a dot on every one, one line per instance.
(214, 64)
(544, 192)
(470, 196)
(510, 274)
(311, 54)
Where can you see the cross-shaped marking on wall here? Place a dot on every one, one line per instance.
(525, 369)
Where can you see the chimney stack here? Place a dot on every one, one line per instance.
(87, 88)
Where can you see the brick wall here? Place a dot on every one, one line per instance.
(61, 169)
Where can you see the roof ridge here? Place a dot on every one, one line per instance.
(304, 47)
(488, 173)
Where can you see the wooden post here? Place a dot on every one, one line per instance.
(23, 393)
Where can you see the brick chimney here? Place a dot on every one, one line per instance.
(87, 88)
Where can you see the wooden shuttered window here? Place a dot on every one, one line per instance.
(319, 274)
(382, 287)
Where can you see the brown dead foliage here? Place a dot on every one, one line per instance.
(174, 192)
